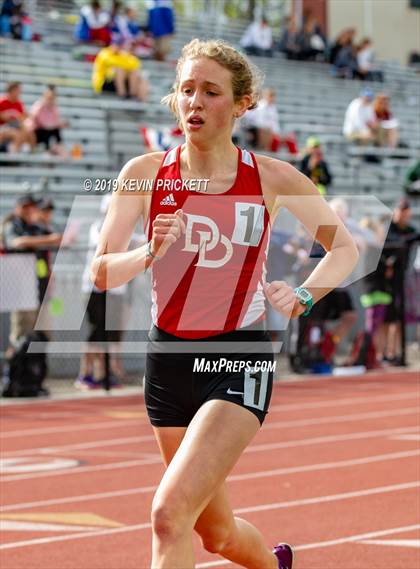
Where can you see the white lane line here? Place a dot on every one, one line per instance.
(232, 478)
(82, 469)
(326, 465)
(79, 446)
(72, 428)
(329, 543)
(351, 538)
(330, 498)
(290, 504)
(345, 401)
(329, 439)
(344, 418)
(252, 448)
(394, 542)
(407, 438)
(43, 540)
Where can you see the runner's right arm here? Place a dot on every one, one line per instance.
(113, 265)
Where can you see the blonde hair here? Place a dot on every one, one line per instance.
(246, 77)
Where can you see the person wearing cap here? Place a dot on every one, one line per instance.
(21, 232)
(314, 166)
(360, 123)
(117, 71)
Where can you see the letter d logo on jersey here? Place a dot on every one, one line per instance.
(207, 241)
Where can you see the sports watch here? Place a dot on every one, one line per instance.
(304, 297)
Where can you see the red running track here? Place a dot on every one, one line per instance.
(334, 471)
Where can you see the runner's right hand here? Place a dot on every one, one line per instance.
(167, 228)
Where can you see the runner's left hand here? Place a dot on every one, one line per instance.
(282, 298)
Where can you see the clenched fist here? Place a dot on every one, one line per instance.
(167, 228)
(282, 298)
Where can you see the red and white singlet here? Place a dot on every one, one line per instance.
(211, 280)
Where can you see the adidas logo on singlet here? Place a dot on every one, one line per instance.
(169, 200)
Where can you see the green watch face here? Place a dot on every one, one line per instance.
(304, 296)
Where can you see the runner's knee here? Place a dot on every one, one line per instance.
(170, 518)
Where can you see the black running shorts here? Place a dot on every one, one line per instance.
(177, 384)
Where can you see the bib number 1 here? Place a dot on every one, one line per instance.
(255, 388)
(249, 223)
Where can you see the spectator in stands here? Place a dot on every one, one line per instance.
(387, 125)
(311, 40)
(45, 121)
(258, 38)
(401, 236)
(344, 39)
(94, 24)
(14, 21)
(116, 70)
(360, 122)
(127, 28)
(263, 126)
(12, 116)
(365, 66)
(289, 42)
(345, 66)
(314, 166)
(161, 24)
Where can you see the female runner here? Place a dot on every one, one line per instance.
(206, 249)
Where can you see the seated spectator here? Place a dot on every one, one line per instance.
(14, 21)
(365, 67)
(93, 26)
(344, 39)
(258, 38)
(314, 166)
(387, 124)
(44, 120)
(161, 24)
(345, 66)
(263, 126)
(311, 41)
(12, 118)
(360, 122)
(116, 70)
(127, 29)
(289, 42)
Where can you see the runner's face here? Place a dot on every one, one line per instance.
(205, 98)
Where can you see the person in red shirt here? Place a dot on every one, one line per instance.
(388, 123)
(12, 118)
(207, 251)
